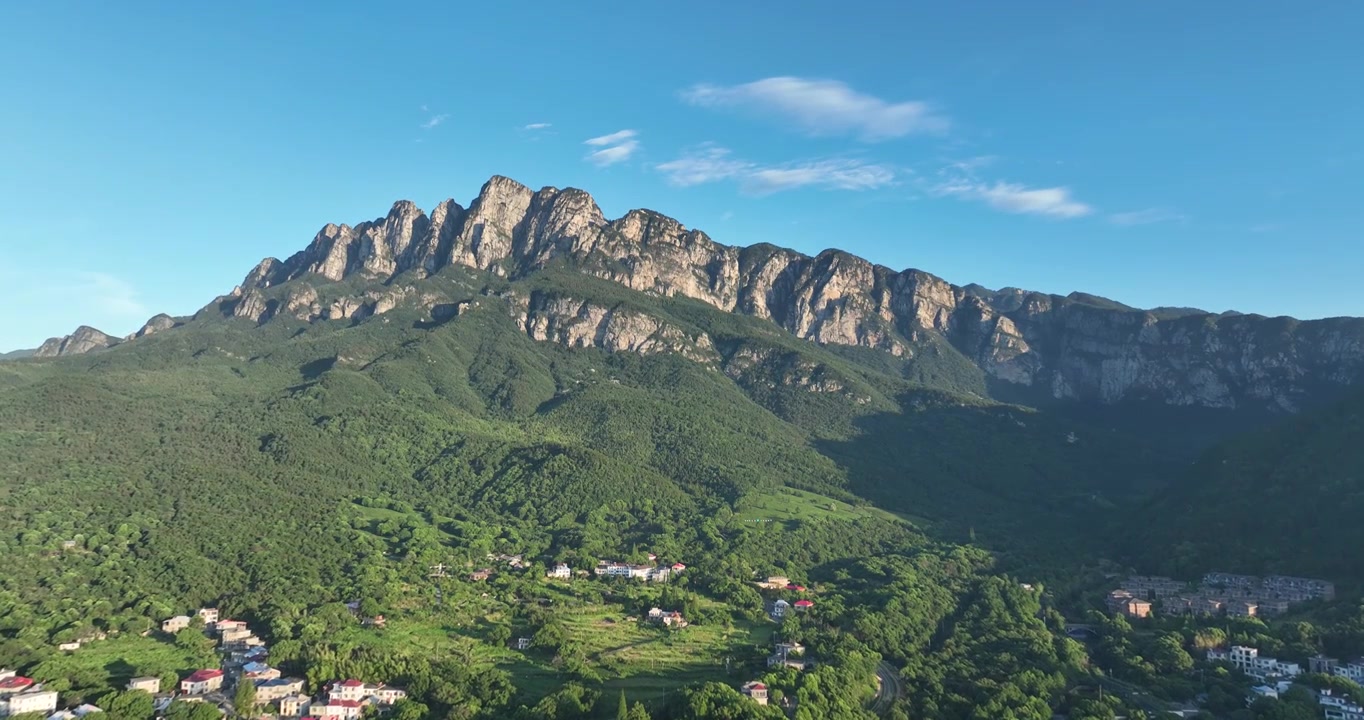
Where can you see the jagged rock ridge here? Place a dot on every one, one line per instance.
(1066, 348)
(85, 339)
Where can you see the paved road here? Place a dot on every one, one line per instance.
(889, 691)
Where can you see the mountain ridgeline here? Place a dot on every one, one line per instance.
(1021, 345)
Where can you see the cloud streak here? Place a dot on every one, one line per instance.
(711, 163)
(1149, 216)
(1055, 202)
(614, 148)
(435, 120)
(822, 107)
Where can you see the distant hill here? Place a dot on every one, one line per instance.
(17, 354)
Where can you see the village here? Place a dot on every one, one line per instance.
(1217, 594)
(244, 657)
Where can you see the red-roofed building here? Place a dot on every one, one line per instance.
(14, 684)
(203, 681)
(795, 587)
(340, 709)
(803, 604)
(755, 690)
(678, 567)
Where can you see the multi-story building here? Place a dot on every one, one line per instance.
(268, 691)
(33, 700)
(203, 681)
(149, 684)
(755, 690)
(175, 624)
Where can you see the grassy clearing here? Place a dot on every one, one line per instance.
(789, 504)
(113, 661)
(646, 661)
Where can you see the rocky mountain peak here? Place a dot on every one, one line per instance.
(85, 339)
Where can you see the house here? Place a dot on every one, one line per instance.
(1320, 664)
(669, 619)
(1353, 670)
(794, 587)
(777, 581)
(803, 605)
(202, 681)
(481, 575)
(1127, 603)
(677, 567)
(1242, 608)
(1339, 708)
(259, 671)
(268, 691)
(175, 624)
(1249, 661)
(69, 646)
(62, 715)
(86, 709)
(789, 655)
(348, 690)
(33, 700)
(522, 643)
(11, 684)
(1267, 691)
(231, 631)
(294, 705)
(210, 615)
(647, 573)
(225, 626)
(338, 709)
(561, 571)
(755, 690)
(779, 609)
(148, 684)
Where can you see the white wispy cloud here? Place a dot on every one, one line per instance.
(711, 163)
(537, 126)
(1149, 216)
(822, 107)
(616, 147)
(1017, 198)
(435, 120)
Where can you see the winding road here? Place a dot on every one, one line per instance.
(889, 689)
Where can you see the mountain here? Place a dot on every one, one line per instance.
(84, 340)
(1016, 344)
(1285, 499)
(18, 354)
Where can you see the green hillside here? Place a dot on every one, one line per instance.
(1287, 499)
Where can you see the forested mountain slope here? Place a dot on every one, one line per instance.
(1287, 499)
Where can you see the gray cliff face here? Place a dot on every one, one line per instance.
(1078, 348)
(84, 340)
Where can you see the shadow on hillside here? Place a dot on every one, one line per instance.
(1009, 479)
(313, 370)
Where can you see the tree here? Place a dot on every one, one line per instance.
(130, 705)
(407, 709)
(639, 712)
(244, 700)
(623, 709)
(180, 710)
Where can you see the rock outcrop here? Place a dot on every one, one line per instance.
(1077, 347)
(155, 324)
(85, 339)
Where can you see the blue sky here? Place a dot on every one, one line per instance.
(1164, 153)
